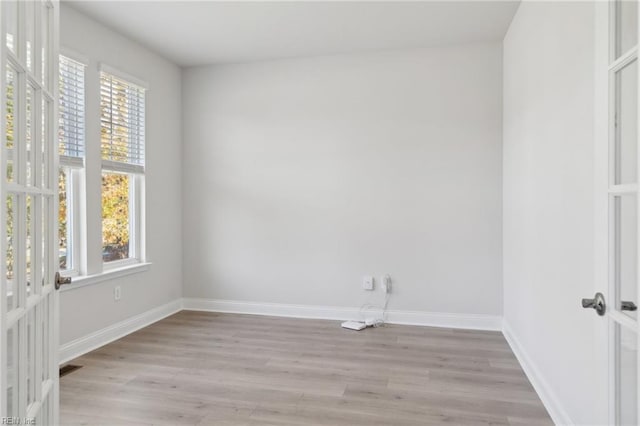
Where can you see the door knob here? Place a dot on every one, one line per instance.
(596, 303)
(628, 306)
(60, 280)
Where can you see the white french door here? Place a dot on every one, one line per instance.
(617, 211)
(28, 190)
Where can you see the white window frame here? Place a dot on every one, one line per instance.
(76, 211)
(136, 173)
(136, 219)
(75, 220)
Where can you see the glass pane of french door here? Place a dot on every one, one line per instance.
(28, 370)
(624, 286)
(626, 83)
(627, 380)
(625, 212)
(626, 26)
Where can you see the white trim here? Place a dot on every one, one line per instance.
(432, 319)
(102, 67)
(603, 55)
(93, 341)
(73, 162)
(120, 264)
(117, 166)
(271, 309)
(446, 320)
(548, 397)
(624, 60)
(623, 189)
(109, 274)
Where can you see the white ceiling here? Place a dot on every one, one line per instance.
(207, 32)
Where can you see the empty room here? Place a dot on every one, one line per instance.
(331, 213)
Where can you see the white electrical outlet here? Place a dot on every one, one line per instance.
(117, 293)
(367, 283)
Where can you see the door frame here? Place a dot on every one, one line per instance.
(42, 300)
(605, 333)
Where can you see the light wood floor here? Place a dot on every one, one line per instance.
(197, 368)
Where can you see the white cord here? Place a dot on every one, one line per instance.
(368, 306)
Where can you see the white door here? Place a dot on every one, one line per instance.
(617, 207)
(28, 190)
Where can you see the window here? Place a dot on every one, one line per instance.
(109, 224)
(122, 118)
(71, 137)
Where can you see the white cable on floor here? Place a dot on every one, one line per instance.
(368, 306)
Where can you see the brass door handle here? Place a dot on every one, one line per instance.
(60, 280)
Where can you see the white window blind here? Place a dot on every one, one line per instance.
(122, 117)
(72, 112)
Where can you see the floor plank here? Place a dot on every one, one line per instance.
(198, 368)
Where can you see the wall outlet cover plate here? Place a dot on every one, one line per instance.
(354, 325)
(367, 283)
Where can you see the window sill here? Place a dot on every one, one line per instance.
(110, 274)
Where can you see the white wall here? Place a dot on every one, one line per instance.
(301, 176)
(548, 199)
(87, 309)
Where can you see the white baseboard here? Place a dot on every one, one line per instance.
(433, 319)
(270, 309)
(106, 335)
(541, 386)
(447, 320)
(87, 343)
(100, 338)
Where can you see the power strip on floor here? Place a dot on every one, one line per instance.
(354, 325)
